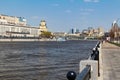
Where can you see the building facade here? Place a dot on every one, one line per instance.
(43, 26)
(91, 32)
(12, 20)
(7, 31)
(16, 27)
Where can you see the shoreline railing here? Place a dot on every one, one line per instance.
(89, 69)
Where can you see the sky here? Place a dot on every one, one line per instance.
(63, 15)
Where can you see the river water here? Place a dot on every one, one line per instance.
(42, 60)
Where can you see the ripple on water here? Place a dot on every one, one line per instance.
(41, 60)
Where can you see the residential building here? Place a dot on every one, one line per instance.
(16, 27)
(12, 20)
(18, 31)
(91, 32)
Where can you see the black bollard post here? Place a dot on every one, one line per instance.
(97, 58)
(94, 49)
(93, 53)
(96, 54)
(98, 45)
(71, 75)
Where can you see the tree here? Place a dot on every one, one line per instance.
(46, 34)
(112, 35)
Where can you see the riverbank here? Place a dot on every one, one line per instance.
(35, 40)
(28, 40)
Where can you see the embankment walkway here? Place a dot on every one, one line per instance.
(110, 61)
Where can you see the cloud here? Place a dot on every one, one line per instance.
(71, 0)
(35, 17)
(68, 11)
(95, 1)
(55, 5)
(84, 13)
(86, 10)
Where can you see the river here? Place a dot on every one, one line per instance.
(42, 60)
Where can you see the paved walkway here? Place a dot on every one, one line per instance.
(110, 61)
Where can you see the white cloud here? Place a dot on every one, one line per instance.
(84, 13)
(71, 0)
(87, 10)
(95, 1)
(35, 17)
(68, 11)
(55, 5)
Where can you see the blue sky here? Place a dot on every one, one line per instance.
(62, 15)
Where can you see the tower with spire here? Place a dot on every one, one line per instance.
(43, 27)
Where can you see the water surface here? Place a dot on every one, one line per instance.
(41, 60)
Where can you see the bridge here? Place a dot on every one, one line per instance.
(68, 36)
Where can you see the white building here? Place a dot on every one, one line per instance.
(12, 26)
(18, 31)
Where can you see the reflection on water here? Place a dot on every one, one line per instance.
(41, 60)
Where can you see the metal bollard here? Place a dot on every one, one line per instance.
(98, 45)
(93, 52)
(97, 58)
(71, 75)
(94, 49)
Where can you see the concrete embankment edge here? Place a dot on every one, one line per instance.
(21, 40)
(100, 63)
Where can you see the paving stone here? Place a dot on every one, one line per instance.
(111, 61)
